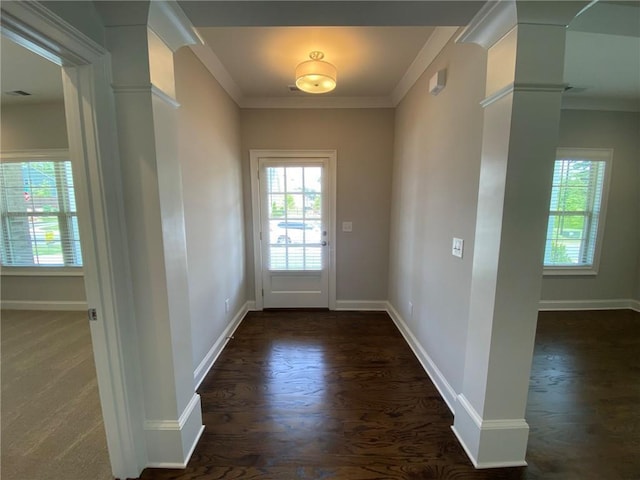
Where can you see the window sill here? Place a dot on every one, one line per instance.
(42, 272)
(569, 272)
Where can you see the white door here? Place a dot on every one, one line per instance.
(295, 237)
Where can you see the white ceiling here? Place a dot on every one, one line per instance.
(370, 60)
(23, 70)
(257, 63)
(602, 59)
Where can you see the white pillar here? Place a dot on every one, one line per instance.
(146, 110)
(525, 65)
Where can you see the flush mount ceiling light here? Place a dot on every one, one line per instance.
(316, 76)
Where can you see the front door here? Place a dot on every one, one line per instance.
(294, 209)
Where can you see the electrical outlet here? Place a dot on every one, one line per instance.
(226, 305)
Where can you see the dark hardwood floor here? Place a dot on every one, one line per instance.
(339, 395)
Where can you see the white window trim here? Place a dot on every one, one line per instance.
(38, 155)
(43, 271)
(595, 154)
(59, 154)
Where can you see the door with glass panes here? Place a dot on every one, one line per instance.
(294, 232)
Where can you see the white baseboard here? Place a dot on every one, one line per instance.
(362, 305)
(504, 442)
(212, 355)
(251, 306)
(446, 390)
(174, 441)
(57, 305)
(610, 304)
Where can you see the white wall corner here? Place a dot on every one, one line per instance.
(490, 443)
(431, 49)
(169, 22)
(490, 24)
(216, 349)
(437, 377)
(251, 306)
(170, 443)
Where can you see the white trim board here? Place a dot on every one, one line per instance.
(362, 305)
(607, 304)
(175, 437)
(216, 349)
(55, 305)
(447, 392)
(472, 432)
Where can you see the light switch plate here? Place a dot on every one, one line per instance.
(457, 247)
(347, 226)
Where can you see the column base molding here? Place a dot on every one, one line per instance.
(170, 443)
(490, 443)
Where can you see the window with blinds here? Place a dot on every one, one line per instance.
(576, 210)
(38, 213)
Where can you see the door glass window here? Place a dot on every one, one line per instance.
(294, 216)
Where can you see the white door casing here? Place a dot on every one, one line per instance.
(93, 153)
(293, 198)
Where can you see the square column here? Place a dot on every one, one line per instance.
(525, 65)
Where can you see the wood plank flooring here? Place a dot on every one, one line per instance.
(584, 396)
(339, 395)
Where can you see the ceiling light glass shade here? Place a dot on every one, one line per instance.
(316, 76)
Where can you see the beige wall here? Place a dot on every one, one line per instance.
(37, 127)
(435, 190)
(363, 139)
(618, 274)
(32, 127)
(209, 151)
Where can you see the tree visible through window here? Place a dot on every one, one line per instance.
(576, 208)
(38, 214)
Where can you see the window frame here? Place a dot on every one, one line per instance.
(39, 155)
(589, 154)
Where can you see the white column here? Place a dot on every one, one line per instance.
(146, 109)
(525, 66)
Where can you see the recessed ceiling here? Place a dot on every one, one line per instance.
(370, 60)
(602, 59)
(23, 70)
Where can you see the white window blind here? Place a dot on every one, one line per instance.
(38, 213)
(576, 210)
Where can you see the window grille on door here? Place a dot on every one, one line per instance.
(294, 217)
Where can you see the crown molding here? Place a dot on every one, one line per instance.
(595, 103)
(431, 49)
(169, 22)
(490, 24)
(212, 63)
(317, 102)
